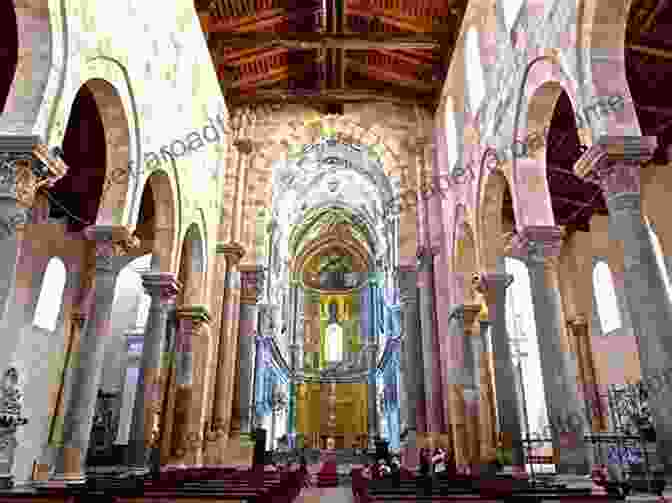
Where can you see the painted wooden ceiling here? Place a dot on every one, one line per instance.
(330, 52)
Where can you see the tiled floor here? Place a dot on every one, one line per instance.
(325, 495)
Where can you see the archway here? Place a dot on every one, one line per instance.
(95, 146)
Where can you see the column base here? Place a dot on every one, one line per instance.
(410, 456)
(61, 481)
(136, 471)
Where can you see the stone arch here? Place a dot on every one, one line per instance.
(27, 28)
(192, 266)
(490, 242)
(93, 186)
(544, 83)
(604, 35)
(156, 224)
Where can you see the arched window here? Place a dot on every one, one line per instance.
(511, 9)
(334, 343)
(143, 311)
(451, 134)
(51, 295)
(659, 257)
(475, 78)
(605, 296)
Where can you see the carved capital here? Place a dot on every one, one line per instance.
(78, 319)
(26, 165)
(578, 326)
(470, 313)
(110, 242)
(192, 318)
(491, 285)
(162, 287)
(233, 252)
(252, 283)
(614, 163)
(537, 243)
(457, 313)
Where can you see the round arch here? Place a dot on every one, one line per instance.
(465, 262)
(490, 242)
(164, 228)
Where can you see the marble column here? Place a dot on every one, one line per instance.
(402, 391)
(227, 351)
(430, 346)
(25, 167)
(162, 288)
(614, 163)
(187, 444)
(413, 378)
(111, 245)
(493, 287)
(252, 279)
(540, 248)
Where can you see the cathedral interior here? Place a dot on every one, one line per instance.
(345, 223)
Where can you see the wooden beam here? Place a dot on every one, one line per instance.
(329, 96)
(310, 40)
(396, 78)
(661, 53)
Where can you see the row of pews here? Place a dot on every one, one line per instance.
(462, 490)
(187, 485)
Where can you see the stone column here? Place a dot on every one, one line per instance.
(227, 351)
(493, 287)
(430, 346)
(413, 379)
(187, 428)
(372, 350)
(403, 392)
(488, 429)
(472, 361)
(25, 166)
(614, 163)
(111, 244)
(252, 278)
(162, 288)
(540, 248)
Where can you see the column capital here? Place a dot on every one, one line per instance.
(194, 316)
(78, 318)
(408, 283)
(456, 312)
(470, 313)
(488, 284)
(26, 165)
(233, 252)
(425, 256)
(111, 242)
(537, 242)
(244, 145)
(161, 286)
(614, 162)
(252, 283)
(578, 322)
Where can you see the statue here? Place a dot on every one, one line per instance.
(11, 405)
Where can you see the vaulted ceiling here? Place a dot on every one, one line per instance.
(331, 52)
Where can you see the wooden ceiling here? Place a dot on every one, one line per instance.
(331, 52)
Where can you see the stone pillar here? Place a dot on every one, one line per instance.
(413, 379)
(187, 444)
(252, 278)
(488, 429)
(25, 167)
(162, 288)
(540, 248)
(493, 287)
(227, 351)
(111, 244)
(372, 351)
(614, 163)
(472, 361)
(430, 346)
(403, 392)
